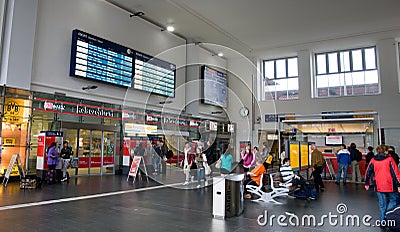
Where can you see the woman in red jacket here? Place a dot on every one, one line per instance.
(387, 179)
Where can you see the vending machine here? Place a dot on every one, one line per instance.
(45, 139)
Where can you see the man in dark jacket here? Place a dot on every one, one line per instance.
(387, 180)
(355, 157)
(162, 150)
(393, 154)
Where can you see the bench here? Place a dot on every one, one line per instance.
(269, 197)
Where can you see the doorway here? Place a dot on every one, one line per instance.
(94, 148)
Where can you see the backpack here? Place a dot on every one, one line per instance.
(358, 155)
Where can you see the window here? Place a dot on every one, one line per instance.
(346, 73)
(281, 79)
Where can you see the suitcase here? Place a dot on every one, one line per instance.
(51, 177)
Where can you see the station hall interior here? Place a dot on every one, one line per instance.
(110, 75)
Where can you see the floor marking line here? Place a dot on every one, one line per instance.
(31, 204)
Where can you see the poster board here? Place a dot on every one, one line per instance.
(133, 171)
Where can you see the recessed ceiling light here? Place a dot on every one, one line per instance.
(170, 28)
(220, 54)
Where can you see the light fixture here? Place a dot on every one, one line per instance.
(220, 54)
(137, 14)
(165, 102)
(216, 112)
(170, 28)
(89, 87)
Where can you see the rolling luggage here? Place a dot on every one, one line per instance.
(51, 177)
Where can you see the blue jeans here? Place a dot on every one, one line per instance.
(343, 167)
(156, 162)
(383, 205)
(200, 174)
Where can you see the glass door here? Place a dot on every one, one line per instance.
(84, 151)
(109, 149)
(97, 151)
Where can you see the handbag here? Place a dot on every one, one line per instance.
(207, 169)
(218, 163)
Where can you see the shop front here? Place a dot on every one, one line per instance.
(92, 129)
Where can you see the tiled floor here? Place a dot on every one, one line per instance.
(122, 206)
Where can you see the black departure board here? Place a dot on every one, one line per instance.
(102, 60)
(154, 75)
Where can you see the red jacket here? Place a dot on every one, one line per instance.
(386, 174)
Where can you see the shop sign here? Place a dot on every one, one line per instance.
(152, 118)
(9, 141)
(175, 121)
(231, 128)
(94, 111)
(54, 106)
(13, 110)
(128, 115)
(194, 123)
(140, 129)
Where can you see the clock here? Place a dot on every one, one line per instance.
(244, 111)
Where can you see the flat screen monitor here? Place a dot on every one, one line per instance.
(98, 59)
(154, 75)
(101, 60)
(215, 87)
(333, 140)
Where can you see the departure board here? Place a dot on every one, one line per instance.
(215, 87)
(154, 75)
(102, 60)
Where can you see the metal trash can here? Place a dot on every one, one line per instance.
(234, 195)
(228, 196)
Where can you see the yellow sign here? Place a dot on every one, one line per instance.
(304, 155)
(13, 110)
(294, 155)
(9, 141)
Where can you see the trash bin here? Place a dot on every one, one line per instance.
(234, 195)
(228, 196)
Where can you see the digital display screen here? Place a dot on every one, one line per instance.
(101, 60)
(215, 87)
(154, 75)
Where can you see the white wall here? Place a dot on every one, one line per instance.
(19, 34)
(58, 18)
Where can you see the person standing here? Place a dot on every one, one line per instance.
(387, 180)
(258, 155)
(317, 162)
(186, 163)
(248, 158)
(161, 150)
(226, 161)
(355, 157)
(52, 161)
(343, 159)
(156, 158)
(199, 160)
(393, 154)
(369, 156)
(65, 154)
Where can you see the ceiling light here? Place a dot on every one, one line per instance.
(220, 54)
(89, 87)
(170, 28)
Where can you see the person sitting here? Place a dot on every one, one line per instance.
(254, 177)
(289, 177)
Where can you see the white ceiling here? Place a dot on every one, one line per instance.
(259, 25)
